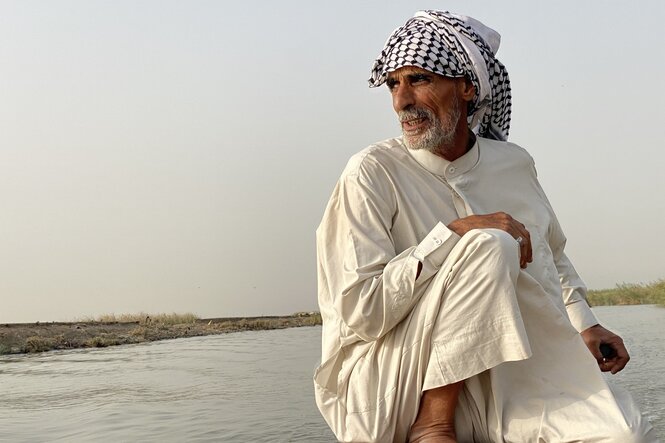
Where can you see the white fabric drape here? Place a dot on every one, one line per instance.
(513, 334)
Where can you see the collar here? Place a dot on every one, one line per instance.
(440, 166)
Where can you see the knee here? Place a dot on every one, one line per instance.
(495, 244)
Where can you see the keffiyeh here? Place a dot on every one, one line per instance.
(453, 46)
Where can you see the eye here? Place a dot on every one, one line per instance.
(419, 78)
(391, 83)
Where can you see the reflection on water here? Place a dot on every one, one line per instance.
(249, 386)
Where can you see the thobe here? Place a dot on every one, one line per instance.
(471, 314)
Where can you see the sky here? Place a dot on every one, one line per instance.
(177, 156)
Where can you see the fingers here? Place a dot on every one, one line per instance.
(596, 336)
(498, 220)
(619, 362)
(594, 347)
(526, 252)
(522, 236)
(519, 232)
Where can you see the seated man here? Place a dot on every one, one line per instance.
(450, 311)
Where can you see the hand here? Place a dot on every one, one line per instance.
(498, 220)
(597, 335)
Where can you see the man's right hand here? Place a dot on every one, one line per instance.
(498, 220)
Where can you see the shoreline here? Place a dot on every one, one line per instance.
(25, 338)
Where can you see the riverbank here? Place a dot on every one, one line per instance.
(21, 338)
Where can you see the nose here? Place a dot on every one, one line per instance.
(403, 97)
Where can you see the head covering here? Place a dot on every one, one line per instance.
(453, 46)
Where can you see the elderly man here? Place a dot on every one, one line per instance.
(450, 311)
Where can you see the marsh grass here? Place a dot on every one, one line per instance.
(40, 344)
(265, 323)
(103, 342)
(312, 319)
(629, 294)
(143, 318)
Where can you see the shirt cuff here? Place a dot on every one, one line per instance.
(581, 316)
(433, 249)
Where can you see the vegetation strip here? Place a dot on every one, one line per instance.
(630, 294)
(137, 328)
(109, 330)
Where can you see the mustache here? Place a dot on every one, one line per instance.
(415, 113)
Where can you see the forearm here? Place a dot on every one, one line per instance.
(372, 297)
(574, 295)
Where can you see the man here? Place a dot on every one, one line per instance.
(450, 311)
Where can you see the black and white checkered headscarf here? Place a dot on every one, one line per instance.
(453, 46)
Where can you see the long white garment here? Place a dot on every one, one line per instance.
(388, 335)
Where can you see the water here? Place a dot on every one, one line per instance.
(242, 387)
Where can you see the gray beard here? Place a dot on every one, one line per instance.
(439, 135)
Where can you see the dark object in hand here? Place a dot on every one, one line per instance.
(607, 351)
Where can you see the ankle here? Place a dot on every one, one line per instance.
(435, 422)
(439, 432)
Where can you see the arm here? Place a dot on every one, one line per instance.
(573, 289)
(579, 312)
(593, 334)
(371, 286)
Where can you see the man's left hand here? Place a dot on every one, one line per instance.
(597, 335)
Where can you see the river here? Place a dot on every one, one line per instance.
(240, 387)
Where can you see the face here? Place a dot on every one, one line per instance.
(429, 107)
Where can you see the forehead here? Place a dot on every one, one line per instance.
(408, 70)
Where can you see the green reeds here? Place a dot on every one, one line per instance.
(629, 294)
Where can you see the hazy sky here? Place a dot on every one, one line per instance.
(168, 156)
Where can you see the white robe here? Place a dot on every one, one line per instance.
(511, 333)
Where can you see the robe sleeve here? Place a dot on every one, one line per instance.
(573, 289)
(370, 285)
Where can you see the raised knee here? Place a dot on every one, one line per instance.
(495, 242)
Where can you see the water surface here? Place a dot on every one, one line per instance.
(241, 387)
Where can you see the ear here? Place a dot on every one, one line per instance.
(467, 90)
